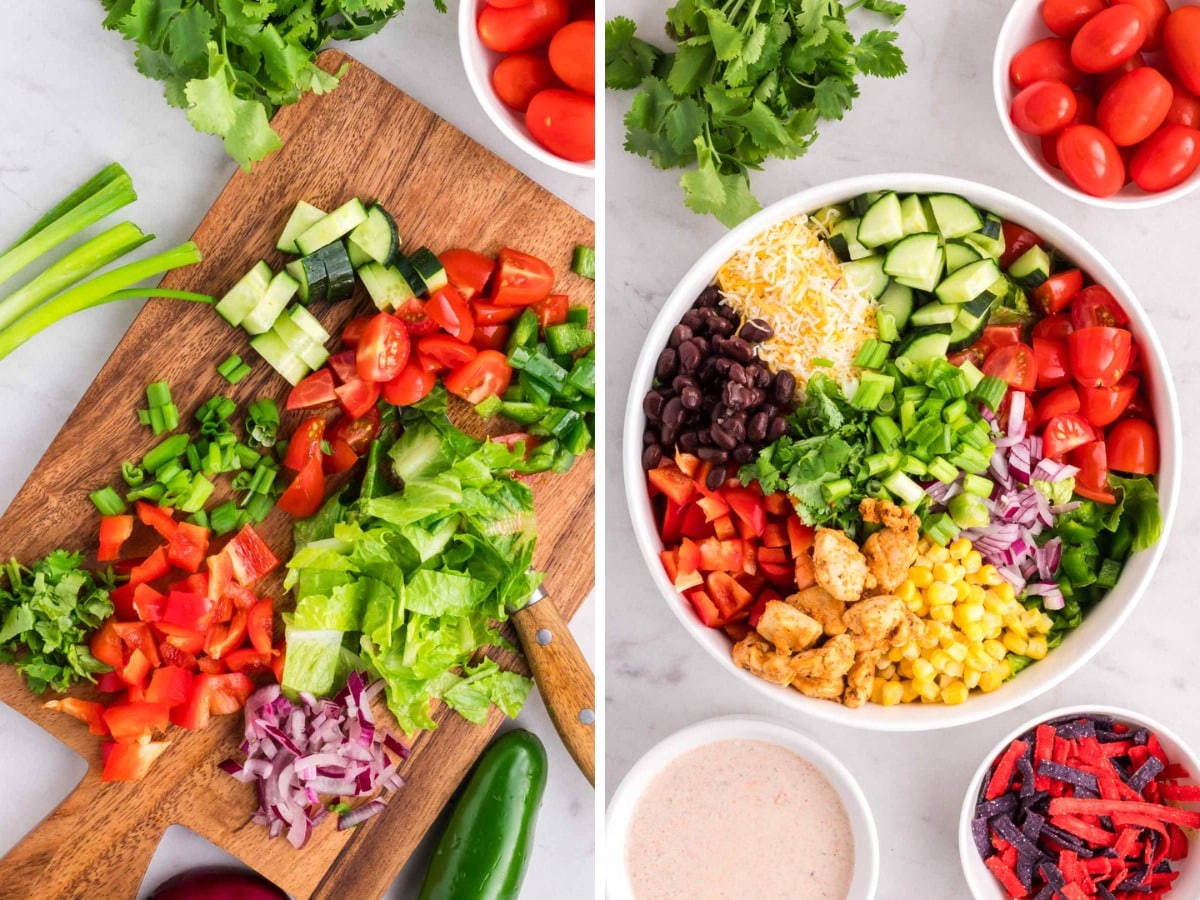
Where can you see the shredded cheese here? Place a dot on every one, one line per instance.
(789, 277)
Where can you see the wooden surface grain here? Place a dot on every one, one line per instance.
(370, 140)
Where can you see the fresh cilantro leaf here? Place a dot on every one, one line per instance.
(886, 7)
(876, 54)
(726, 38)
(628, 60)
(691, 68)
(833, 96)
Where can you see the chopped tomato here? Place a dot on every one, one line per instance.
(170, 686)
(248, 661)
(305, 443)
(1091, 480)
(521, 279)
(467, 270)
(1016, 241)
(1132, 446)
(344, 366)
(1053, 295)
(1053, 362)
(1095, 305)
(223, 638)
(1053, 328)
(279, 661)
(187, 549)
(114, 531)
(1102, 406)
(1100, 355)
(340, 458)
(250, 556)
(155, 566)
(671, 481)
(383, 349)
(89, 712)
(412, 313)
(130, 762)
(448, 308)
(552, 310)
(304, 495)
(315, 390)
(352, 333)
(106, 645)
(357, 396)
(490, 337)
(260, 625)
(1063, 399)
(487, 374)
(444, 351)
(411, 385)
(491, 314)
(1014, 364)
(128, 722)
(1064, 433)
(160, 519)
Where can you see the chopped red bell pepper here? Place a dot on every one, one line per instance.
(250, 556)
(148, 604)
(131, 722)
(191, 611)
(279, 661)
(136, 670)
(87, 711)
(114, 531)
(160, 519)
(122, 601)
(248, 661)
(188, 547)
(155, 566)
(130, 762)
(170, 686)
(139, 636)
(224, 638)
(260, 626)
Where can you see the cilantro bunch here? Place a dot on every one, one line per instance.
(47, 614)
(748, 80)
(232, 63)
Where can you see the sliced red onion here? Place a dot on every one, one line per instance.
(1016, 415)
(360, 815)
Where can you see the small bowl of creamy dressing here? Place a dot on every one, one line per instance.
(740, 808)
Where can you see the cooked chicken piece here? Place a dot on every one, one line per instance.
(860, 679)
(816, 602)
(881, 622)
(788, 628)
(832, 660)
(891, 552)
(821, 688)
(839, 565)
(755, 655)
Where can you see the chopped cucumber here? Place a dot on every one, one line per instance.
(246, 294)
(303, 217)
(883, 223)
(309, 324)
(955, 217)
(912, 215)
(377, 236)
(914, 257)
(925, 346)
(934, 314)
(867, 275)
(386, 286)
(897, 301)
(311, 276)
(358, 256)
(843, 240)
(933, 275)
(271, 347)
(279, 293)
(969, 282)
(430, 270)
(862, 202)
(339, 270)
(332, 227)
(959, 254)
(1031, 269)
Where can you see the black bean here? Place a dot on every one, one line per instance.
(650, 436)
(702, 345)
(743, 454)
(652, 406)
(738, 349)
(708, 368)
(736, 427)
(712, 454)
(682, 381)
(756, 428)
(756, 331)
(651, 456)
(737, 396)
(761, 377)
(722, 438)
(770, 409)
(718, 345)
(689, 356)
(710, 296)
(737, 374)
(704, 314)
(777, 429)
(705, 436)
(718, 325)
(692, 319)
(784, 388)
(689, 442)
(716, 477)
(669, 434)
(725, 311)
(719, 411)
(672, 414)
(668, 360)
(691, 397)
(679, 334)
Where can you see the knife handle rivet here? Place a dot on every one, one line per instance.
(587, 716)
(544, 636)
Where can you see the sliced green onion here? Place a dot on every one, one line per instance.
(170, 416)
(166, 451)
(201, 489)
(132, 474)
(913, 393)
(886, 405)
(108, 501)
(913, 466)
(192, 454)
(223, 519)
(977, 485)
(904, 487)
(822, 361)
(834, 491)
(878, 463)
(990, 392)
(152, 492)
(158, 393)
(199, 518)
(233, 369)
(940, 529)
(908, 415)
(886, 432)
(258, 508)
(262, 422)
(583, 262)
(942, 470)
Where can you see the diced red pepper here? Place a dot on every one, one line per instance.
(260, 626)
(188, 547)
(279, 661)
(148, 604)
(668, 479)
(184, 639)
(713, 506)
(130, 722)
(775, 535)
(705, 608)
(672, 522)
(87, 711)
(160, 519)
(225, 638)
(248, 661)
(730, 597)
(106, 645)
(154, 567)
(130, 762)
(138, 636)
(250, 556)
(122, 601)
(114, 531)
(724, 529)
(778, 504)
(170, 686)
(191, 611)
(747, 507)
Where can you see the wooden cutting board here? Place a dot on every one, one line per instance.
(366, 139)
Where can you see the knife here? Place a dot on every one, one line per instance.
(563, 677)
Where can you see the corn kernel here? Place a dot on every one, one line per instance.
(1036, 647)
(962, 591)
(957, 651)
(939, 659)
(892, 693)
(971, 677)
(943, 572)
(923, 670)
(936, 630)
(1044, 623)
(944, 614)
(991, 575)
(992, 623)
(993, 604)
(1016, 644)
(917, 605)
(928, 690)
(920, 576)
(907, 592)
(905, 668)
(940, 594)
(954, 693)
(959, 548)
(973, 562)
(1014, 626)
(1005, 669)
(912, 651)
(910, 692)
(887, 672)
(991, 679)
(979, 658)
(1004, 590)
(975, 632)
(938, 554)
(955, 668)
(927, 641)
(995, 649)
(877, 691)
(895, 654)
(965, 613)
(978, 594)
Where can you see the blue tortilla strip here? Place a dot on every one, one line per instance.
(981, 834)
(1104, 893)
(1163, 867)
(1141, 736)
(1026, 862)
(1052, 873)
(1048, 893)
(1028, 784)
(1147, 772)
(1068, 840)
(1007, 829)
(1138, 880)
(1067, 774)
(1076, 729)
(1005, 803)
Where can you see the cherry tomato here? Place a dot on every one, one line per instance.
(1155, 13)
(518, 77)
(1167, 159)
(344, 366)
(1132, 446)
(1085, 109)
(1053, 362)
(1046, 60)
(1181, 40)
(1043, 107)
(358, 433)
(444, 351)
(521, 280)
(1049, 147)
(411, 385)
(357, 396)
(1091, 160)
(450, 310)
(354, 329)
(1064, 433)
(490, 337)
(305, 443)
(467, 270)
(1063, 399)
(1099, 355)
(993, 336)
(1102, 406)
(1103, 81)
(340, 458)
(491, 314)
(1065, 17)
(1139, 408)
(383, 349)
(1185, 106)
(1016, 241)
(1095, 305)
(1091, 480)
(1053, 328)
(488, 373)
(303, 496)
(1053, 294)
(552, 310)
(1136, 104)
(315, 390)
(412, 313)
(573, 56)
(523, 27)
(1015, 365)
(564, 122)
(1108, 39)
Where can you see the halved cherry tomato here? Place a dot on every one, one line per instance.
(1064, 433)
(564, 122)
(358, 396)
(305, 443)
(491, 337)
(114, 531)
(260, 625)
(1091, 480)
(521, 279)
(450, 311)
(358, 433)
(1099, 355)
(1063, 399)
(1015, 365)
(340, 458)
(1134, 106)
(1108, 38)
(1053, 364)
(1181, 40)
(1095, 305)
(1102, 406)
(409, 386)
(412, 313)
(352, 333)
(1065, 17)
(1049, 58)
(444, 351)
(517, 79)
(315, 390)
(1132, 446)
(1090, 159)
(303, 496)
(467, 270)
(344, 366)
(160, 519)
(572, 55)
(383, 349)
(491, 314)
(522, 28)
(1016, 241)
(1166, 159)
(487, 374)
(552, 310)
(1053, 294)
(1043, 107)
(130, 762)
(1053, 328)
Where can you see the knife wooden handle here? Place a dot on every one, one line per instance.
(564, 679)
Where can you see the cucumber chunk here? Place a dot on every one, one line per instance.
(969, 282)
(246, 294)
(279, 293)
(312, 277)
(955, 217)
(303, 217)
(430, 269)
(959, 254)
(386, 286)
(332, 227)
(883, 223)
(1031, 269)
(378, 236)
(867, 275)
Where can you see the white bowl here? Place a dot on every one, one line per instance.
(729, 728)
(479, 62)
(983, 883)
(1023, 26)
(1098, 626)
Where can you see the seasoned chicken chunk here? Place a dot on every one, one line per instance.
(839, 565)
(860, 679)
(788, 628)
(881, 622)
(821, 688)
(890, 552)
(832, 660)
(816, 602)
(755, 655)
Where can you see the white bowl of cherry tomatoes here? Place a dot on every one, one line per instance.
(531, 64)
(1100, 97)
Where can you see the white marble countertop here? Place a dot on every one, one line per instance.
(939, 118)
(74, 102)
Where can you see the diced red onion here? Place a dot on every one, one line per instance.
(360, 815)
(1016, 414)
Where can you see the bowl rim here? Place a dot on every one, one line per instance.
(967, 854)
(1017, 16)
(472, 51)
(920, 717)
(739, 727)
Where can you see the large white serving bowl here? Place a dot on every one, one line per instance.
(747, 728)
(479, 62)
(983, 883)
(1022, 26)
(1098, 626)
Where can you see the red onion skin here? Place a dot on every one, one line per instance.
(218, 883)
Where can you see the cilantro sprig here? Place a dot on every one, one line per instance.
(232, 63)
(747, 80)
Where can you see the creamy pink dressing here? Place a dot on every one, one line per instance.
(740, 819)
